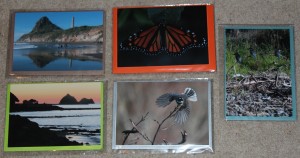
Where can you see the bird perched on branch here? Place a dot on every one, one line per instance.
(238, 58)
(252, 53)
(182, 101)
(277, 53)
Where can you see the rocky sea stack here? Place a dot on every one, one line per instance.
(86, 101)
(68, 99)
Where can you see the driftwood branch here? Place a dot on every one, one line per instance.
(264, 94)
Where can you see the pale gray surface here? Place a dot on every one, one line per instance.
(230, 139)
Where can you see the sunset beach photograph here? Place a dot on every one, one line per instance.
(54, 116)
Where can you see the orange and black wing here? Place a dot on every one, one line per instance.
(148, 41)
(177, 41)
(161, 38)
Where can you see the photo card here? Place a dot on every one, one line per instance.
(54, 116)
(259, 73)
(163, 115)
(149, 39)
(56, 43)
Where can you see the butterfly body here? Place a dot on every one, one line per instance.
(162, 39)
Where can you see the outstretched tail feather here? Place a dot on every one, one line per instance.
(191, 94)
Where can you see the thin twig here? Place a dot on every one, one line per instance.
(183, 137)
(276, 79)
(133, 129)
(162, 122)
(143, 135)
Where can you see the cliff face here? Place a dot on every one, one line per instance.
(45, 31)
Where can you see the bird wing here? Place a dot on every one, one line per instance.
(166, 99)
(191, 94)
(182, 114)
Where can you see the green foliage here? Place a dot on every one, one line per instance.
(133, 16)
(78, 30)
(265, 59)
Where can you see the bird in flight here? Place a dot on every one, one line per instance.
(182, 101)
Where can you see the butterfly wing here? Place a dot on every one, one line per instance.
(177, 40)
(148, 41)
(162, 38)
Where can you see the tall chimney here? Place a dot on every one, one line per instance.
(73, 21)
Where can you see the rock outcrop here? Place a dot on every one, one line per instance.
(86, 101)
(44, 25)
(25, 133)
(45, 31)
(68, 99)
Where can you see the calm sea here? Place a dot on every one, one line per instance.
(80, 123)
(57, 57)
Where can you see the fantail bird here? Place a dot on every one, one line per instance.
(182, 101)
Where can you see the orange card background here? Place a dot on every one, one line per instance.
(210, 67)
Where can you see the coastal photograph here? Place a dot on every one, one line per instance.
(171, 36)
(54, 116)
(259, 73)
(162, 115)
(57, 42)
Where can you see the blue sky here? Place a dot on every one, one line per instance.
(25, 21)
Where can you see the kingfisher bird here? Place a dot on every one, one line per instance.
(182, 101)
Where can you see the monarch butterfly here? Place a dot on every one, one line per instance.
(162, 38)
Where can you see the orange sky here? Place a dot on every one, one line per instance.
(51, 93)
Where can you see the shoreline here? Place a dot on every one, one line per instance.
(25, 133)
(42, 107)
(41, 43)
(33, 107)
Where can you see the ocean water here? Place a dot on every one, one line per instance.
(57, 57)
(80, 122)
